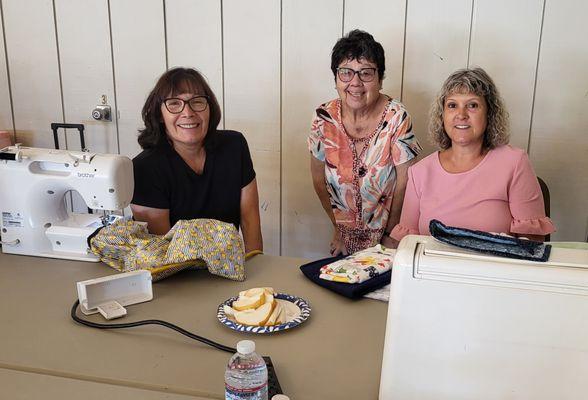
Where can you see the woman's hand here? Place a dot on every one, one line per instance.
(536, 238)
(388, 242)
(337, 246)
(157, 218)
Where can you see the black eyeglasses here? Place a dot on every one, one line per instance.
(176, 106)
(365, 74)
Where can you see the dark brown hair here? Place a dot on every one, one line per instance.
(171, 83)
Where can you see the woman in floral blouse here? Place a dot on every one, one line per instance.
(361, 145)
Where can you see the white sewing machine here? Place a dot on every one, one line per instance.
(466, 325)
(33, 184)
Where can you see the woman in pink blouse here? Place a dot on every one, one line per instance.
(476, 181)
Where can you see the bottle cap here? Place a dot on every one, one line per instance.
(280, 397)
(246, 346)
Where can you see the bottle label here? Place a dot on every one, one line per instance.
(257, 393)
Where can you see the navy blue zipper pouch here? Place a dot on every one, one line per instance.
(489, 243)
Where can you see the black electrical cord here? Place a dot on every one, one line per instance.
(273, 383)
(148, 322)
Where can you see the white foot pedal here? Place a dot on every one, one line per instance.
(110, 294)
(112, 310)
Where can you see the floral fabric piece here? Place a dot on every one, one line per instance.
(359, 267)
(197, 244)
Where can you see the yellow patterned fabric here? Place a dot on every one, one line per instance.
(197, 243)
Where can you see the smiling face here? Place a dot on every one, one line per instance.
(465, 116)
(188, 128)
(355, 94)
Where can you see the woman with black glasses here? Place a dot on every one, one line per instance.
(361, 145)
(188, 168)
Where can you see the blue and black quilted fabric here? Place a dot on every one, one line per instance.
(490, 243)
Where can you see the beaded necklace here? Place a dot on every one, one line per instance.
(359, 168)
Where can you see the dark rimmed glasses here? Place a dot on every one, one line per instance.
(176, 106)
(365, 74)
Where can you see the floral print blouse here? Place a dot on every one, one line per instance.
(361, 183)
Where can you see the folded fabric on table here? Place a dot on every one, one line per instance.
(359, 267)
(312, 271)
(209, 244)
(484, 242)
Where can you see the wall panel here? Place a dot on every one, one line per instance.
(252, 98)
(34, 70)
(505, 42)
(307, 40)
(384, 19)
(194, 39)
(559, 136)
(268, 62)
(86, 75)
(437, 37)
(5, 105)
(267, 169)
(139, 59)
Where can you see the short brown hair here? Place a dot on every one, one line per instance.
(478, 82)
(172, 82)
(356, 45)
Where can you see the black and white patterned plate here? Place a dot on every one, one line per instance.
(298, 302)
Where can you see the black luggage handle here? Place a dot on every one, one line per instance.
(80, 127)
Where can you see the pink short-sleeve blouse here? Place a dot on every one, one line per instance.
(500, 194)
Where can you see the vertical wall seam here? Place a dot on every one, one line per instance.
(470, 33)
(343, 20)
(403, 51)
(280, 226)
(7, 71)
(222, 37)
(536, 78)
(165, 34)
(59, 73)
(114, 93)
(70, 194)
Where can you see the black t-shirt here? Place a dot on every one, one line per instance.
(164, 180)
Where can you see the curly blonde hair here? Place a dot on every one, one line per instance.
(478, 82)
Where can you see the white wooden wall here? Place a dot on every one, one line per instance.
(5, 106)
(268, 63)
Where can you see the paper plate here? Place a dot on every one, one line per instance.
(297, 307)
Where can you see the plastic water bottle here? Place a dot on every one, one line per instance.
(246, 374)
